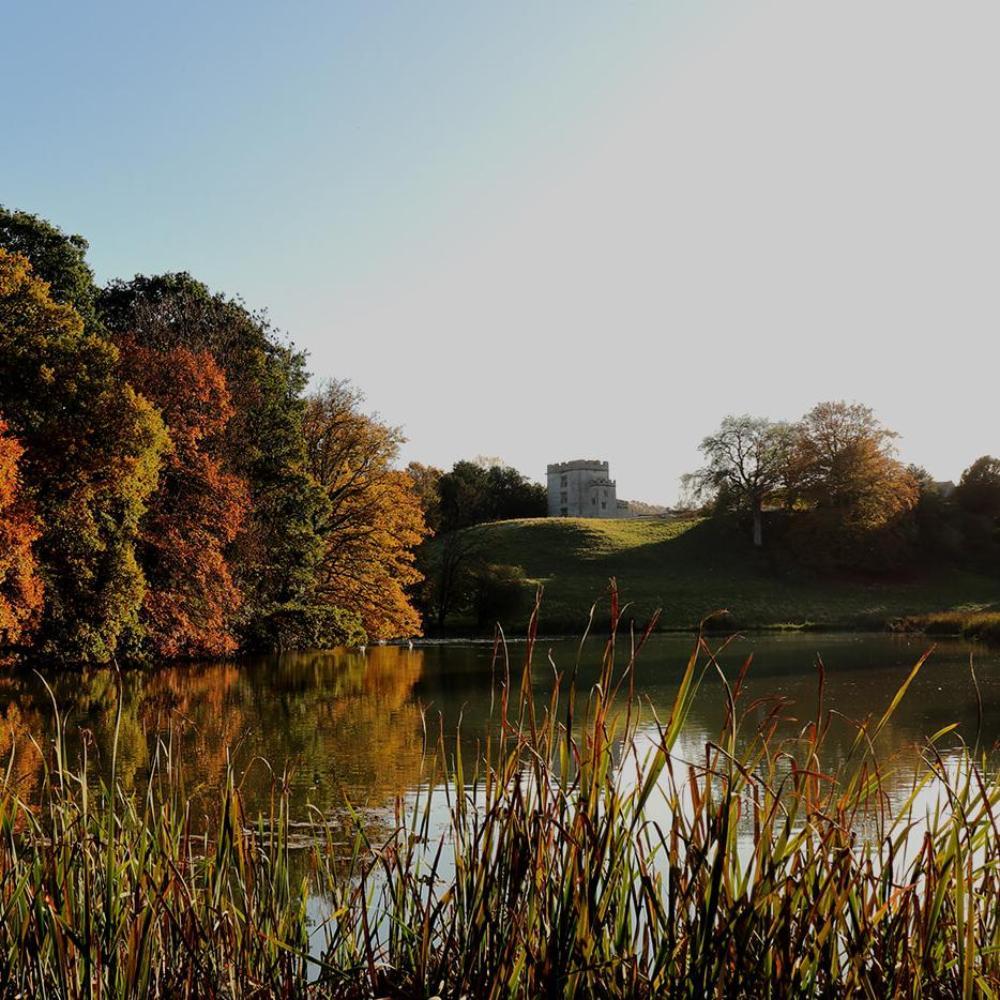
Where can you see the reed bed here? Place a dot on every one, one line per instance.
(574, 855)
(983, 625)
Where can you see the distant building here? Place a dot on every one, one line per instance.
(583, 488)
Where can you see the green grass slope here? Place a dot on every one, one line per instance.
(692, 568)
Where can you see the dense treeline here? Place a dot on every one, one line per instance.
(458, 574)
(835, 496)
(475, 492)
(168, 486)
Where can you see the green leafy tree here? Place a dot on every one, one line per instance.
(426, 481)
(747, 466)
(978, 491)
(450, 565)
(473, 494)
(55, 257)
(92, 452)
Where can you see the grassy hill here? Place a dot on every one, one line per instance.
(694, 567)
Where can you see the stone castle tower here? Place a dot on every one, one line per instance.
(583, 488)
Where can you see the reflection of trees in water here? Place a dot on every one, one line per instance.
(351, 723)
(17, 723)
(342, 721)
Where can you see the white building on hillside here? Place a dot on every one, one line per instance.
(583, 488)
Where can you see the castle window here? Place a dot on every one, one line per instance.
(564, 481)
(604, 505)
(563, 498)
(564, 511)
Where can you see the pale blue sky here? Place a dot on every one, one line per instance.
(550, 231)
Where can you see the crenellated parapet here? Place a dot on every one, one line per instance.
(582, 487)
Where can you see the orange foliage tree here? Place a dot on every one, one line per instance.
(197, 509)
(860, 496)
(20, 587)
(849, 464)
(376, 519)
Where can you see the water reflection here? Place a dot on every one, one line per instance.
(349, 723)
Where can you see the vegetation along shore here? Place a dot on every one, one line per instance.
(590, 851)
(173, 486)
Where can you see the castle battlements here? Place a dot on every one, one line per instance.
(583, 487)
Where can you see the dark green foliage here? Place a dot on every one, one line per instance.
(471, 494)
(963, 528)
(448, 564)
(498, 594)
(55, 257)
(458, 579)
(306, 626)
(276, 556)
(979, 489)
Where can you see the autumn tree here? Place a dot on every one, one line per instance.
(197, 510)
(747, 462)
(276, 556)
(20, 586)
(860, 494)
(850, 465)
(375, 519)
(92, 449)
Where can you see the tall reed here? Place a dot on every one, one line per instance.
(578, 853)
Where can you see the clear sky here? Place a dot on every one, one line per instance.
(551, 231)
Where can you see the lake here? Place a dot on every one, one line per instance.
(358, 724)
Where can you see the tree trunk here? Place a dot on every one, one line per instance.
(758, 525)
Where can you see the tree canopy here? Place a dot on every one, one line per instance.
(92, 453)
(473, 494)
(747, 464)
(978, 491)
(275, 556)
(156, 493)
(375, 517)
(20, 587)
(836, 469)
(191, 602)
(56, 257)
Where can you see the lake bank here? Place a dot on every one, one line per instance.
(358, 722)
(667, 813)
(693, 568)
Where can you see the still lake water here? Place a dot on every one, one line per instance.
(343, 722)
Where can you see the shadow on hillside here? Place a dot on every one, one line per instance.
(705, 547)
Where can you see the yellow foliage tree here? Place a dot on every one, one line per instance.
(375, 520)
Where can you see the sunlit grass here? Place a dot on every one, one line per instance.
(691, 567)
(580, 856)
(968, 624)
